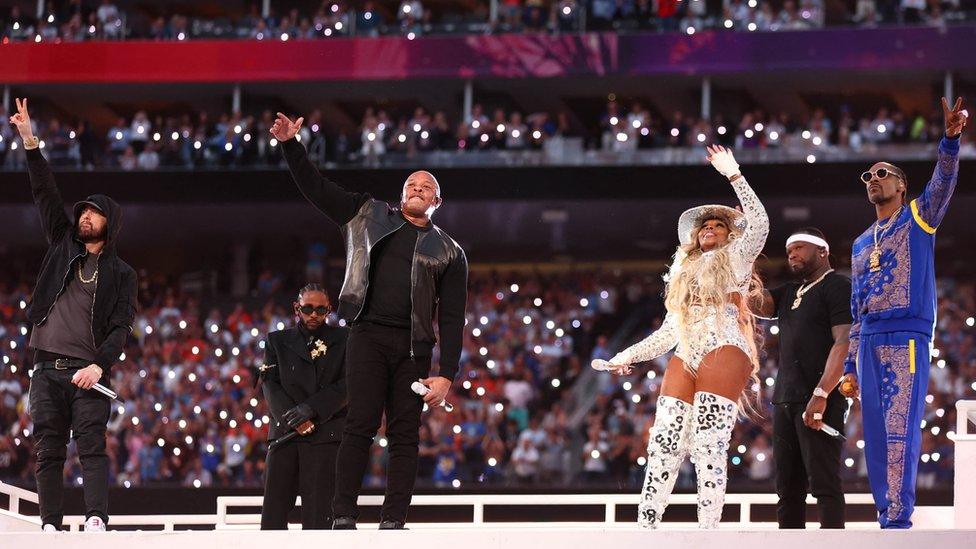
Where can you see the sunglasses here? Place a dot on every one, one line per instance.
(881, 173)
(322, 310)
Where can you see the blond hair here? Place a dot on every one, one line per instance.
(697, 287)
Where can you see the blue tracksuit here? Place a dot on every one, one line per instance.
(894, 321)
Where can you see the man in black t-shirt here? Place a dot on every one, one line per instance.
(814, 320)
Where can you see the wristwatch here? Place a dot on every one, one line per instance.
(32, 142)
(818, 392)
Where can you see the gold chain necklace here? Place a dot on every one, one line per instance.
(875, 258)
(94, 275)
(804, 289)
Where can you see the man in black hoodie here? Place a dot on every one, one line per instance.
(81, 312)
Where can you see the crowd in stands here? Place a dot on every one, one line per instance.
(150, 142)
(80, 20)
(192, 416)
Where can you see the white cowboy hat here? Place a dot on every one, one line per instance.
(692, 217)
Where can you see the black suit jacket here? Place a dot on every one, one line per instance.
(291, 377)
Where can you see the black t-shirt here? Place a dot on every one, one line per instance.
(390, 287)
(805, 336)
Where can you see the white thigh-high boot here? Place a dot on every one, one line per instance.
(714, 418)
(666, 449)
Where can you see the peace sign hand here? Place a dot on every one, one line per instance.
(22, 120)
(955, 118)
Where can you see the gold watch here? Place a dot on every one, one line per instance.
(32, 142)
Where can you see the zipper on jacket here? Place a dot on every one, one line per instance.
(64, 282)
(369, 261)
(413, 284)
(91, 325)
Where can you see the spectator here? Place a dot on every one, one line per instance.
(525, 461)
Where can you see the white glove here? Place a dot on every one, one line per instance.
(722, 160)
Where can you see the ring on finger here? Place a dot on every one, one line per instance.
(818, 416)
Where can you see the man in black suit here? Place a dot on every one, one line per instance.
(305, 385)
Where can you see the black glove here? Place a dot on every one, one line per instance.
(298, 415)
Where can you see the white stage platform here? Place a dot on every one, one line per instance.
(496, 537)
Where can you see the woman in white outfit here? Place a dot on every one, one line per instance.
(716, 362)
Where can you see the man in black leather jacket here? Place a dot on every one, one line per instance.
(81, 312)
(304, 382)
(400, 270)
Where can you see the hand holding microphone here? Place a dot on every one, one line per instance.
(830, 431)
(423, 391)
(605, 366)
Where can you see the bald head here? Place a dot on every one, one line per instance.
(421, 195)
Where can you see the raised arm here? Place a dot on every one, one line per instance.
(753, 239)
(43, 187)
(930, 207)
(337, 203)
(661, 341)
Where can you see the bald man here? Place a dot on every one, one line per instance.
(401, 272)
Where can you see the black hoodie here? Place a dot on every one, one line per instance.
(115, 292)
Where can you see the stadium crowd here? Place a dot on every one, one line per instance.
(82, 20)
(191, 414)
(149, 141)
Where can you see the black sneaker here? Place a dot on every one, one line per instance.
(344, 523)
(392, 525)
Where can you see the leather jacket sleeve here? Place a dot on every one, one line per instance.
(450, 314)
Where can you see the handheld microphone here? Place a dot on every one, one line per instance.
(106, 391)
(829, 430)
(422, 390)
(601, 365)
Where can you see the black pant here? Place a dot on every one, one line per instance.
(299, 468)
(379, 372)
(807, 459)
(58, 407)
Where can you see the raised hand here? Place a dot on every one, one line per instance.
(722, 160)
(955, 118)
(284, 129)
(22, 120)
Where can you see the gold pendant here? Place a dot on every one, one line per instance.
(796, 303)
(875, 260)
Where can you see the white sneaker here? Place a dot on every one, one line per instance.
(94, 524)
(50, 528)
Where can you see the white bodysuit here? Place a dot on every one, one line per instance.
(710, 327)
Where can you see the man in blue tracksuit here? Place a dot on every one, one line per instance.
(893, 303)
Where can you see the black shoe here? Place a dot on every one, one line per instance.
(392, 525)
(344, 523)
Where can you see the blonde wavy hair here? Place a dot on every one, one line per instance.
(696, 286)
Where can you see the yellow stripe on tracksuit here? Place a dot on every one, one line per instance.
(918, 219)
(911, 356)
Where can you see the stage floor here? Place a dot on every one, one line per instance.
(507, 537)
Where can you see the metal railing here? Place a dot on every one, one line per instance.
(15, 494)
(965, 414)
(478, 503)
(225, 519)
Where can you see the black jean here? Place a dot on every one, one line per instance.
(379, 372)
(58, 408)
(807, 460)
(299, 468)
